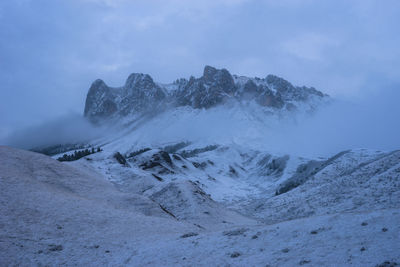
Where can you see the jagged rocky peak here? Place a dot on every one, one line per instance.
(209, 72)
(141, 86)
(138, 81)
(139, 94)
(280, 84)
(215, 87)
(290, 92)
(100, 101)
(220, 79)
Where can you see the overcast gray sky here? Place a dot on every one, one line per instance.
(51, 50)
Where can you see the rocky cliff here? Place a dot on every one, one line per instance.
(216, 87)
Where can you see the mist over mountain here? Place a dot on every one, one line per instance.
(215, 165)
(219, 107)
(68, 129)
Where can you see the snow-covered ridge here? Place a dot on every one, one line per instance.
(141, 94)
(188, 206)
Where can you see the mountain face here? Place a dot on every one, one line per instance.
(216, 87)
(139, 94)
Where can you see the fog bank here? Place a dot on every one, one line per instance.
(372, 122)
(72, 128)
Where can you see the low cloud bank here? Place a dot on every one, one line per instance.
(72, 128)
(372, 122)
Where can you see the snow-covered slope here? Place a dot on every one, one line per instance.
(70, 214)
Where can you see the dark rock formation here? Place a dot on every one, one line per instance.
(100, 101)
(141, 94)
(211, 89)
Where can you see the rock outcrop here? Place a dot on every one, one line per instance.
(217, 86)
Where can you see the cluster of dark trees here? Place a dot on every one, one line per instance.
(195, 152)
(58, 149)
(140, 151)
(79, 154)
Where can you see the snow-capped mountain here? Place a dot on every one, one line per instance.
(198, 173)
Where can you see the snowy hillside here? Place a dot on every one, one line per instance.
(157, 212)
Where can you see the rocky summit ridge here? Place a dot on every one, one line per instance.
(215, 87)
